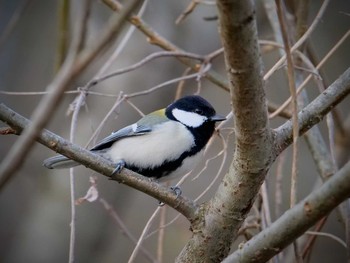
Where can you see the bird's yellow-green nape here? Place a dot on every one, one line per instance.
(153, 118)
(160, 112)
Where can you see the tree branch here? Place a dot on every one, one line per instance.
(237, 192)
(156, 39)
(295, 221)
(314, 112)
(74, 64)
(101, 165)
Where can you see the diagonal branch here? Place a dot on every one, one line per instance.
(101, 165)
(314, 112)
(74, 64)
(295, 221)
(156, 39)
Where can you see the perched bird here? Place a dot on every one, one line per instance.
(163, 144)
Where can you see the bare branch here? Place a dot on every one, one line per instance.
(72, 66)
(311, 240)
(143, 62)
(101, 165)
(63, 33)
(142, 237)
(291, 83)
(156, 39)
(301, 40)
(314, 112)
(320, 64)
(295, 221)
(124, 229)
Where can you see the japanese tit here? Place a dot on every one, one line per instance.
(162, 145)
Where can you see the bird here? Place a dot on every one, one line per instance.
(162, 145)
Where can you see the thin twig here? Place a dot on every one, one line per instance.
(117, 51)
(147, 59)
(143, 234)
(33, 93)
(301, 40)
(180, 86)
(117, 103)
(135, 107)
(215, 54)
(320, 64)
(311, 241)
(63, 33)
(279, 184)
(124, 229)
(166, 83)
(189, 9)
(216, 177)
(335, 238)
(154, 38)
(320, 106)
(291, 82)
(86, 11)
(292, 87)
(161, 234)
(71, 180)
(266, 211)
(71, 68)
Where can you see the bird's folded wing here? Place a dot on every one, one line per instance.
(131, 130)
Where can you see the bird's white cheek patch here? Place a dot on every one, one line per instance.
(189, 119)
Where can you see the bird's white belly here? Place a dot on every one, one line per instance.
(165, 143)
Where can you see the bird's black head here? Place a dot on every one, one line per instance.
(192, 111)
(197, 115)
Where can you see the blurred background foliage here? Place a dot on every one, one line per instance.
(35, 205)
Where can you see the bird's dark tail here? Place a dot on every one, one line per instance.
(59, 162)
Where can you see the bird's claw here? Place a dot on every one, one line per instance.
(119, 166)
(177, 190)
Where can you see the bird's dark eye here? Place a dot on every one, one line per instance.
(198, 111)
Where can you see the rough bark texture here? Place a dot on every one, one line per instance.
(225, 213)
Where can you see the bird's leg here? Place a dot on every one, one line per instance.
(118, 167)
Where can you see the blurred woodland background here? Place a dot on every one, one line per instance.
(35, 204)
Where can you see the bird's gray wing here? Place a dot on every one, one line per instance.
(143, 126)
(128, 131)
(60, 161)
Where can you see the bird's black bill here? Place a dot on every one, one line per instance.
(218, 117)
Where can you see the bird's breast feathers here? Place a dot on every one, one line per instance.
(166, 142)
